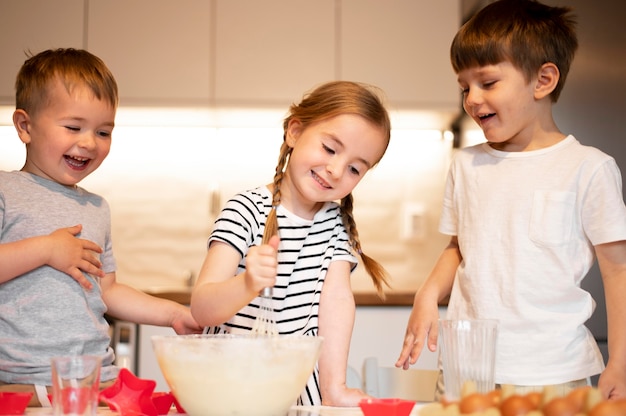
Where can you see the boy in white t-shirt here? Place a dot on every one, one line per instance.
(528, 212)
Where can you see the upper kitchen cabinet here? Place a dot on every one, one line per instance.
(403, 47)
(158, 50)
(245, 53)
(268, 53)
(35, 25)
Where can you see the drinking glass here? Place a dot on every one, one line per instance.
(468, 351)
(75, 385)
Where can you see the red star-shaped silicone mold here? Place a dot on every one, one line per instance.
(130, 395)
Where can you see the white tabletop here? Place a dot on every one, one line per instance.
(336, 411)
(294, 411)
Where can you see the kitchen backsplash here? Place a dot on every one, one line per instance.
(165, 184)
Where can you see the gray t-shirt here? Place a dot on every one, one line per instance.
(46, 313)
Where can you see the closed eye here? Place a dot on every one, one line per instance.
(72, 128)
(328, 149)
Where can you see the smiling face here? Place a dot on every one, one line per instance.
(328, 160)
(498, 98)
(504, 103)
(67, 138)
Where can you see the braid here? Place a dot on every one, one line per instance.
(376, 271)
(271, 224)
(323, 103)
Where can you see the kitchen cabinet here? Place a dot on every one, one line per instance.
(245, 53)
(35, 25)
(403, 47)
(399, 45)
(158, 50)
(271, 52)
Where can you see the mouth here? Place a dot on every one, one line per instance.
(321, 181)
(485, 117)
(77, 163)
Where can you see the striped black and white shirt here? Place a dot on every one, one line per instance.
(307, 247)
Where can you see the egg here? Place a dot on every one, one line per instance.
(594, 396)
(535, 398)
(608, 408)
(516, 405)
(475, 402)
(560, 406)
(578, 396)
(495, 396)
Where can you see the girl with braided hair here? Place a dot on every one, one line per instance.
(331, 139)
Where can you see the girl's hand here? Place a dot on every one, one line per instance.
(343, 396)
(74, 256)
(262, 265)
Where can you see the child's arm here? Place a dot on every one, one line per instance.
(612, 262)
(219, 294)
(61, 250)
(126, 303)
(336, 320)
(425, 313)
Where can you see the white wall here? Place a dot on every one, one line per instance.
(170, 171)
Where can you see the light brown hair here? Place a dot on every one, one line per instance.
(327, 101)
(72, 67)
(524, 32)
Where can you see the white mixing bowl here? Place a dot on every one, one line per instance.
(221, 375)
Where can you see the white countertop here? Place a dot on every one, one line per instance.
(336, 411)
(294, 411)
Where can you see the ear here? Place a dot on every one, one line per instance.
(547, 79)
(21, 121)
(294, 128)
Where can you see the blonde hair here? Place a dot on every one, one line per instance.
(327, 101)
(72, 67)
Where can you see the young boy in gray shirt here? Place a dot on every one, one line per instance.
(57, 269)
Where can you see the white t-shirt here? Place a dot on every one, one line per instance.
(526, 224)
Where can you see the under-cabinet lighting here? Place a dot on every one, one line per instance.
(181, 141)
(6, 115)
(241, 117)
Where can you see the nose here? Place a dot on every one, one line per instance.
(87, 141)
(333, 167)
(472, 97)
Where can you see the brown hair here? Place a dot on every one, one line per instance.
(327, 101)
(72, 67)
(524, 32)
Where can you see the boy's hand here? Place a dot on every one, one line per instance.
(422, 327)
(612, 381)
(183, 323)
(74, 256)
(262, 265)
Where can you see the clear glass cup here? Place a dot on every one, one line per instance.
(468, 352)
(75, 385)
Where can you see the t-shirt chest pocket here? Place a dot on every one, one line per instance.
(552, 217)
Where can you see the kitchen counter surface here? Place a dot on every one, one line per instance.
(183, 296)
(294, 411)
